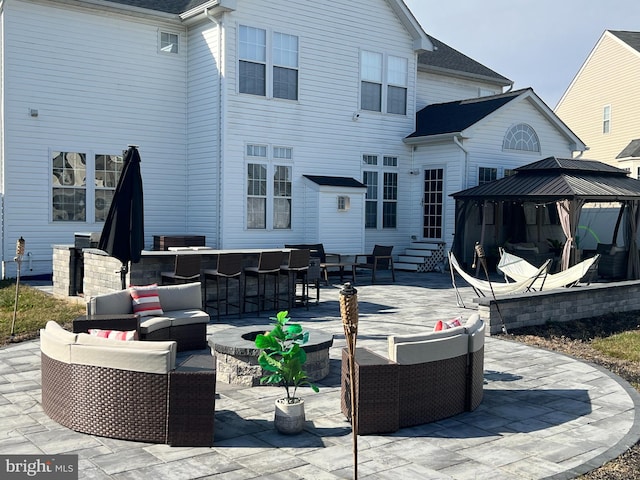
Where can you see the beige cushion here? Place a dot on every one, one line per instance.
(188, 317)
(159, 361)
(86, 339)
(110, 303)
(180, 297)
(152, 324)
(55, 342)
(393, 340)
(430, 350)
(476, 338)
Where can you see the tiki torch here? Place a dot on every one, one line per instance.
(18, 260)
(349, 312)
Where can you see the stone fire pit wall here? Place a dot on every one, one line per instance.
(237, 357)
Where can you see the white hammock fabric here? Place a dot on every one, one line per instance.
(518, 269)
(485, 288)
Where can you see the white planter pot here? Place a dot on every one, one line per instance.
(289, 417)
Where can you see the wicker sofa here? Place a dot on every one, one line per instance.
(129, 390)
(426, 378)
(183, 319)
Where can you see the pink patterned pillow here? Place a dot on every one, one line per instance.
(145, 300)
(440, 325)
(114, 334)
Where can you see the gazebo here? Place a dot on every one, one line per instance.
(545, 199)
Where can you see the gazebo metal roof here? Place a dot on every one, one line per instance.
(553, 179)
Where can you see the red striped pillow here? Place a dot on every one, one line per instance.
(440, 325)
(145, 300)
(114, 334)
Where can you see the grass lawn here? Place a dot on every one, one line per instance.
(35, 309)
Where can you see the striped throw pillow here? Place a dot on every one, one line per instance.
(440, 325)
(145, 300)
(114, 334)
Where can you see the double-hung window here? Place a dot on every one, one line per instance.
(383, 83)
(487, 174)
(606, 119)
(269, 182)
(381, 201)
(268, 63)
(72, 198)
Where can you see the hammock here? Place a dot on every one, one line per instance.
(518, 269)
(484, 288)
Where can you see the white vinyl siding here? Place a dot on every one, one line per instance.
(95, 94)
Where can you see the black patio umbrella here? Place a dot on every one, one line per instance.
(123, 232)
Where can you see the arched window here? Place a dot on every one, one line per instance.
(521, 137)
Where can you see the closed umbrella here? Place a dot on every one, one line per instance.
(123, 232)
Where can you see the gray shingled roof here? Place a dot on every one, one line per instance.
(553, 179)
(631, 150)
(167, 6)
(443, 57)
(335, 181)
(630, 38)
(453, 117)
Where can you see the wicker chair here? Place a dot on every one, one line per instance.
(149, 401)
(409, 391)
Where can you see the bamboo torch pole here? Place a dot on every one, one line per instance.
(18, 259)
(349, 312)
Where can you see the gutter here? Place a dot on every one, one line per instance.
(221, 109)
(465, 170)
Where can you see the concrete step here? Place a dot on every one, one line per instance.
(418, 253)
(411, 258)
(424, 246)
(408, 267)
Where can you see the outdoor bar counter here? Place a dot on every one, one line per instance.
(102, 272)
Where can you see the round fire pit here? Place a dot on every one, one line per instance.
(237, 355)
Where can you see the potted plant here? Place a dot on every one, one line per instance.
(283, 357)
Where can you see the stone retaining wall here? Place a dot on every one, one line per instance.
(537, 308)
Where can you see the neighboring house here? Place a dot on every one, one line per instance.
(602, 102)
(258, 123)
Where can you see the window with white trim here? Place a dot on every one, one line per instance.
(71, 196)
(381, 199)
(606, 119)
(269, 187)
(268, 63)
(169, 42)
(521, 137)
(487, 174)
(383, 82)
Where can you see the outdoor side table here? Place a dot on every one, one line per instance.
(192, 399)
(121, 322)
(376, 390)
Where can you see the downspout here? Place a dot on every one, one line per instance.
(465, 172)
(219, 139)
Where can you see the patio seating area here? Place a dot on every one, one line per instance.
(543, 414)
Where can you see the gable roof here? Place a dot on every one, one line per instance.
(454, 117)
(166, 6)
(444, 59)
(630, 38)
(631, 150)
(451, 119)
(553, 179)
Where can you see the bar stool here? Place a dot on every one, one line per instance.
(268, 265)
(296, 270)
(229, 267)
(186, 269)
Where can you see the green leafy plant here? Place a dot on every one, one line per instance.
(283, 357)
